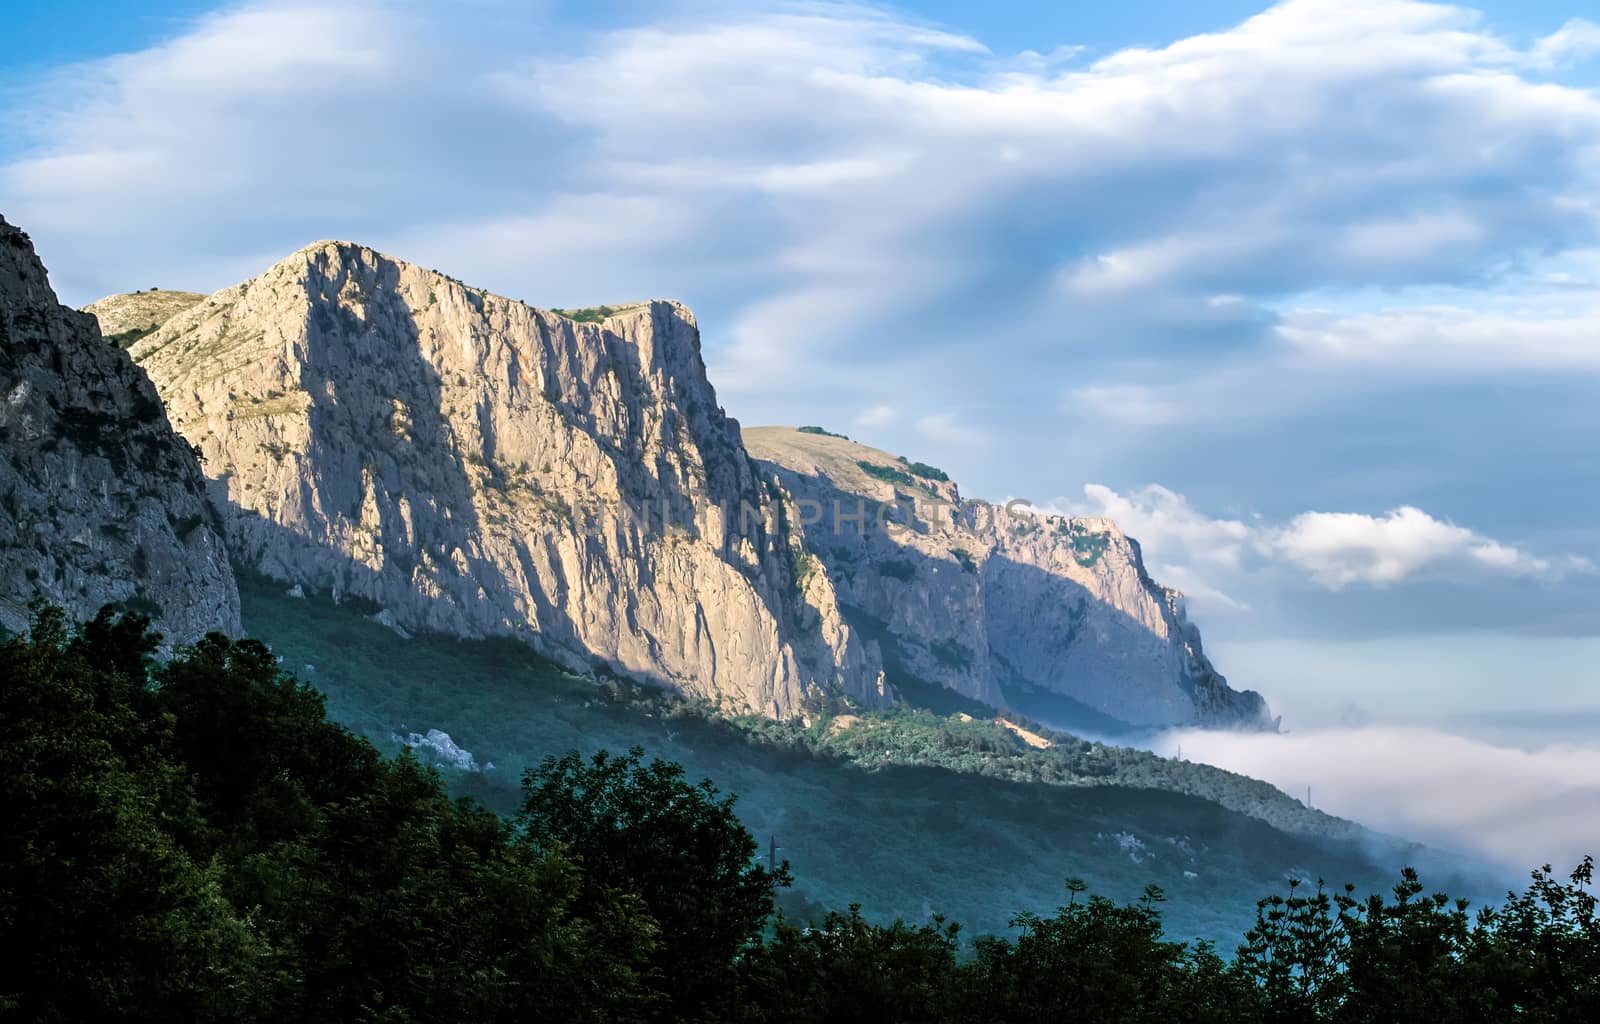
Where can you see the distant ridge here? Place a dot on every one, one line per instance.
(125, 319)
(1053, 616)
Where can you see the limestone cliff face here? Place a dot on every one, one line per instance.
(476, 466)
(100, 502)
(1054, 617)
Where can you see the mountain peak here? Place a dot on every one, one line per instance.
(343, 253)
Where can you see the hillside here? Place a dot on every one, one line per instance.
(124, 319)
(1054, 617)
(896, 832)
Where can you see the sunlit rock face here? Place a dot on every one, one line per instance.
(1053, 616)
(100, 501)
(471, 465)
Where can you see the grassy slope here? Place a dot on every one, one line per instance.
(126, 318)
(837, 458)
(902, 841)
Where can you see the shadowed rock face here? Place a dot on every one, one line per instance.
(477, 466)
(1052, 616)
(100, 502)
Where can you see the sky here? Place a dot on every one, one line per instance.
(1303, 294)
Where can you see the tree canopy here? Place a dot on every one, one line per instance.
(194, 840)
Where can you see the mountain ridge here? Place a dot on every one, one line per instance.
(600, 434)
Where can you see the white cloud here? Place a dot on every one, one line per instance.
(829, 148)
(1450, 340)
(1166, 524)
(1575, 41)
(1137, 404)
(1341, 548)
(186, 121)
(876, 416)
(1333, 549)
(1405, 240)
(947, 428)
(1518, 808)
(1198, 591)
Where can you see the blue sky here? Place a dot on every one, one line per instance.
(1304, 295)
(43, 34)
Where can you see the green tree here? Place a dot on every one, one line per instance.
(108, 916)
(1099, 960)
(196, 842)
(1297, 953)
(642, 828)
(848, 969)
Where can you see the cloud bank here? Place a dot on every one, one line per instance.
(1517, 808)
(1333, 549)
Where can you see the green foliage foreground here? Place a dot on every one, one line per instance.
(194, 840)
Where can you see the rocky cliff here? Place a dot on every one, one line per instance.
(1051, 616)
(453, 460)
(100, 502)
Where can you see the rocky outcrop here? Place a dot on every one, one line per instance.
(465, 463)
(1054, 617)
(100, 502)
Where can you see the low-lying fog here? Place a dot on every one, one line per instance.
(1487, 786)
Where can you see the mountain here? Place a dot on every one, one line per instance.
(100, 502)
(1055, 617)
(417, 481)
(459, 462)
